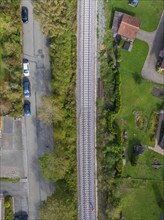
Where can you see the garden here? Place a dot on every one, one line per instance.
(128, 118)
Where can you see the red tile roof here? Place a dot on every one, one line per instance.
(129, 26)
(131, 20)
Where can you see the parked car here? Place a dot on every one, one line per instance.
(26, 89)
(21, 217)
(26, 67)
(27, 111)
(24, 14)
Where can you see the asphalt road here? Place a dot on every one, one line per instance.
(86, 109)
(36, 135)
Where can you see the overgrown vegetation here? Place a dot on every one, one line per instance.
(13, 180)
(8, 204)
(109, 135)
(10, 58)
(59, 25)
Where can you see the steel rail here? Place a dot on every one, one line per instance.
(85, 93)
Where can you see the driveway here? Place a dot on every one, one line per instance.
(36, 135)
(156, 43)
(19, 192)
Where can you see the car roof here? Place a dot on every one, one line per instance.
(24, 8)
(26, 83)
(25, 65)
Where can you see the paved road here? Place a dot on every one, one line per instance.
(86, 109)
(36, 135)
(156, 43)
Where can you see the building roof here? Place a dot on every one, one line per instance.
(116, 21)
(129, 26)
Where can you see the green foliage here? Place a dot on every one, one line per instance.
(50, 111)
(10, 58)
(9, 215)
(7, 204)
(52, 16)
(58, 19)
(13, 180)
(56, 208)
(54, 166)
(109, 135)
(153, 122)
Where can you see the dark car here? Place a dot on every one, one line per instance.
(22, 217)
(24, 14)
(27, 110)
(26, 89)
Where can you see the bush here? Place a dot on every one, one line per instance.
(153, 123)
(9, 215)
(7, 204)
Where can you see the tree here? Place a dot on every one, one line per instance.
(52, 15)
(54, 165)
(50, 111)
(56, 209)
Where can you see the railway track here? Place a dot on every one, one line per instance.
(86, 105)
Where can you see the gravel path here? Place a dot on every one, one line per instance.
(156, 43)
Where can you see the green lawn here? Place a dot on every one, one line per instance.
(139, 202)
(136, 93)
(148, 11)
(142, 200)
(143, 168)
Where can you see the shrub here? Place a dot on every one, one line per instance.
(9, 215)
(153, 123)
(7, 204)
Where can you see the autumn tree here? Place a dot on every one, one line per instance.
(50, 110)
(52, 16)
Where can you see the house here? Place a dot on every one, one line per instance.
(126, 26)
(129, 27)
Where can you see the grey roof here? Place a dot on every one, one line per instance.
(116, 21)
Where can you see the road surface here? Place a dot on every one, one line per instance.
(36, 135)
(86, 109)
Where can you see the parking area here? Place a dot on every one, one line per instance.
(12, 152)
(19, 191)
